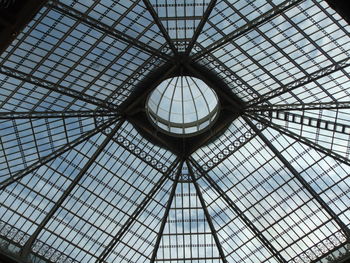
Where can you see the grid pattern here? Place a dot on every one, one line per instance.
(81, 182)
(180, 19)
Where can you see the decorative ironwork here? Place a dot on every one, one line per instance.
(241, 187)
(303, 182)
(57, 88)
(140, 153)
(302, 139)
(52, 114)
(302, 81)
(12, 239)
(236, 84)
(308, 121)
(230, 149)
(323, 248)
(296, 107)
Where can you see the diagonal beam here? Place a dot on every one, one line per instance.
(230, 74)
(301, 82)
(160, 25)
(76, 14)
(209, 82)
(275, 11)
(135, 214)
(27, 247)
(333, 105)
(239, 213)
(207, 215)
(166, 213)
(14, 115)
(42, 161)
(13, 73)
(303, 182)
(199, 28)
(301, 139)
(39, 62)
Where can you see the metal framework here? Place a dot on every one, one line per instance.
(85, 177)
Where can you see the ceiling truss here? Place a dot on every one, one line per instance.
(265, 110)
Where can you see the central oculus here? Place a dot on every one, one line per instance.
(182, 106)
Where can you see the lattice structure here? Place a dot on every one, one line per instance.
(85, 177)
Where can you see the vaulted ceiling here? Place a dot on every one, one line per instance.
(86, 177)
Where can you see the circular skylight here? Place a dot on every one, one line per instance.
(183, 106)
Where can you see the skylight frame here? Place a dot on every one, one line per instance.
(218, 153)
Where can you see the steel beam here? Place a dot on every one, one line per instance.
(40, 61)
(234, 146)
(200, 26)
(307, 121)
(315, 43)
(301, 139)
(232, 76)
(333, 105)
(27, 247)
(244, 52)
(160, 25)
(166, 213)
(247, 27)
(339, 254)
(13, 73)
(239, 213)
(207, 215)
(302, 181)
(300, 82)
(42, 161)
(209, 82)
(76, 14)
(139, 71)
(14, 115)
(135, 214)
(89, 51)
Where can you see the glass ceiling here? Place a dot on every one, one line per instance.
(80, 183)
(182, 106)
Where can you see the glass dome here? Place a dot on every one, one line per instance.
(183, 106)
